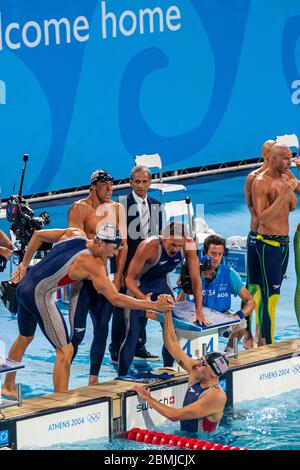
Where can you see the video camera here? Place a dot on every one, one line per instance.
(185, 278)
(24, 223)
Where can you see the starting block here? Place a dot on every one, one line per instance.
(196, 339)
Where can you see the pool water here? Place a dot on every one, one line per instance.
(260, 424)
(263, 424)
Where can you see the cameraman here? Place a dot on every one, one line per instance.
(219, 282)
(6, 246)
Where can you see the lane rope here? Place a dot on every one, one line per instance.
(160, 438)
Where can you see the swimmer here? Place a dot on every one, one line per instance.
(252, 286)
(254, 280)
(205, 400)
(87, 214)
(72, 259)
(148, 272)
(273, 198)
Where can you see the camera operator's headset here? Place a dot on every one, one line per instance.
(205, 262)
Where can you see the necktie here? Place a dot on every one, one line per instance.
(144, 220)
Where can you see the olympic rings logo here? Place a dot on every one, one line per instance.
(93, 417)
(296, 369)
(232, 264)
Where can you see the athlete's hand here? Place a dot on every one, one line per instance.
(5, 252)
(19, 273)
(289, 187)
(297, 163)
(201, 319)
(164, 303)
(142, 392)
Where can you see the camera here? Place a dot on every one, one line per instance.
(8, 292)
(24, 222)
(185, 279)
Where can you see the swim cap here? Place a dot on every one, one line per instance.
(218, 362)
(102, 176)
(108, 234)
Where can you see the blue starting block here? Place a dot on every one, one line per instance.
(196, 339)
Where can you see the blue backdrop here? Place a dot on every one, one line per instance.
(89, 83)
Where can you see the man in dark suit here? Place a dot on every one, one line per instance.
(144, 218)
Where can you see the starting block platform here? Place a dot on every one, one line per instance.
(98, 411)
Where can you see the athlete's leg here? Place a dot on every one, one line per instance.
(53, 325)
(135, 320)
(297, 266)
(118, 329)
(251, 285)
(78, 311)
(61, 372)
(16, 353)
(27, 326)
(101, 310)
(273, 260)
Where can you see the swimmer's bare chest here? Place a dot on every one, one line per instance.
(274, 189)
(104, 214)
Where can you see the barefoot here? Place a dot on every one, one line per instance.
(93, 380)
(10, 394)
(248, 341)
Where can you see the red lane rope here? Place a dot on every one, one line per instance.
(160, 438)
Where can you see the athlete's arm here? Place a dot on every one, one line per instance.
(5, 242)
(6, 246)
(104, 286)
(192, 260)
(265, 212)
(211, 403)
(39, 237)
(76, 215)
(171, 343)
(122, 253)
(143, 254)
(247, 190)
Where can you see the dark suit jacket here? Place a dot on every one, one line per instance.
(133, 222)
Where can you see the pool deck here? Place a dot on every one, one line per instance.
(256, 373)
(116, 388)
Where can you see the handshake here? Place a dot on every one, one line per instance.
(164, 302)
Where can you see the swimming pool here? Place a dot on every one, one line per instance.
(259, 424)
(225, 211)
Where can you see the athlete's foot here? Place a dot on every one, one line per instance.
(248, 341)
(9, 393)
(93, 380)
